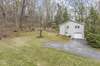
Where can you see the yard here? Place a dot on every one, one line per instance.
(27, 50)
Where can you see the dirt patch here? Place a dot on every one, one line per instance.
(20, 41)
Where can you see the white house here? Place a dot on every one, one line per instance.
(73, 29)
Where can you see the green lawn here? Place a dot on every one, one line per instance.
(27, 50)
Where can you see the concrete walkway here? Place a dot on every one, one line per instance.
(78, 47)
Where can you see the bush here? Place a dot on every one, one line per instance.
(93, 40)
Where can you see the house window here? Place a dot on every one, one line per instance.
(77, 27)
(66, 32)
(67, 27)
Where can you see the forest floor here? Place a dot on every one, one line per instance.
(27, 50)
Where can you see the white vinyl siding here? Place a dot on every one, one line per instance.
(72, 29)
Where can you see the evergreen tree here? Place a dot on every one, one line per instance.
(93, 20)
(65, 15)
(61, 16)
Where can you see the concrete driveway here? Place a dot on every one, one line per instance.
(78, 47)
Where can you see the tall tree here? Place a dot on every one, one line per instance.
(61, 16)
(22, 13)
(93, 19)
(65, 15)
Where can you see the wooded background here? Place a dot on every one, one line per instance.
(28, 15)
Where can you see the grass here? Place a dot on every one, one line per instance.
(27, 50)
(55, 37)
(49, 36)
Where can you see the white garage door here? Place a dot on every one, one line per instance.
(78, 36)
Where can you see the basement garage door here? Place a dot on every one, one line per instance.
(78, 36)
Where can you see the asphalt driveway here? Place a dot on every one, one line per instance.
(78, 47)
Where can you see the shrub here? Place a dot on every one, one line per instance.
(93, 40)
